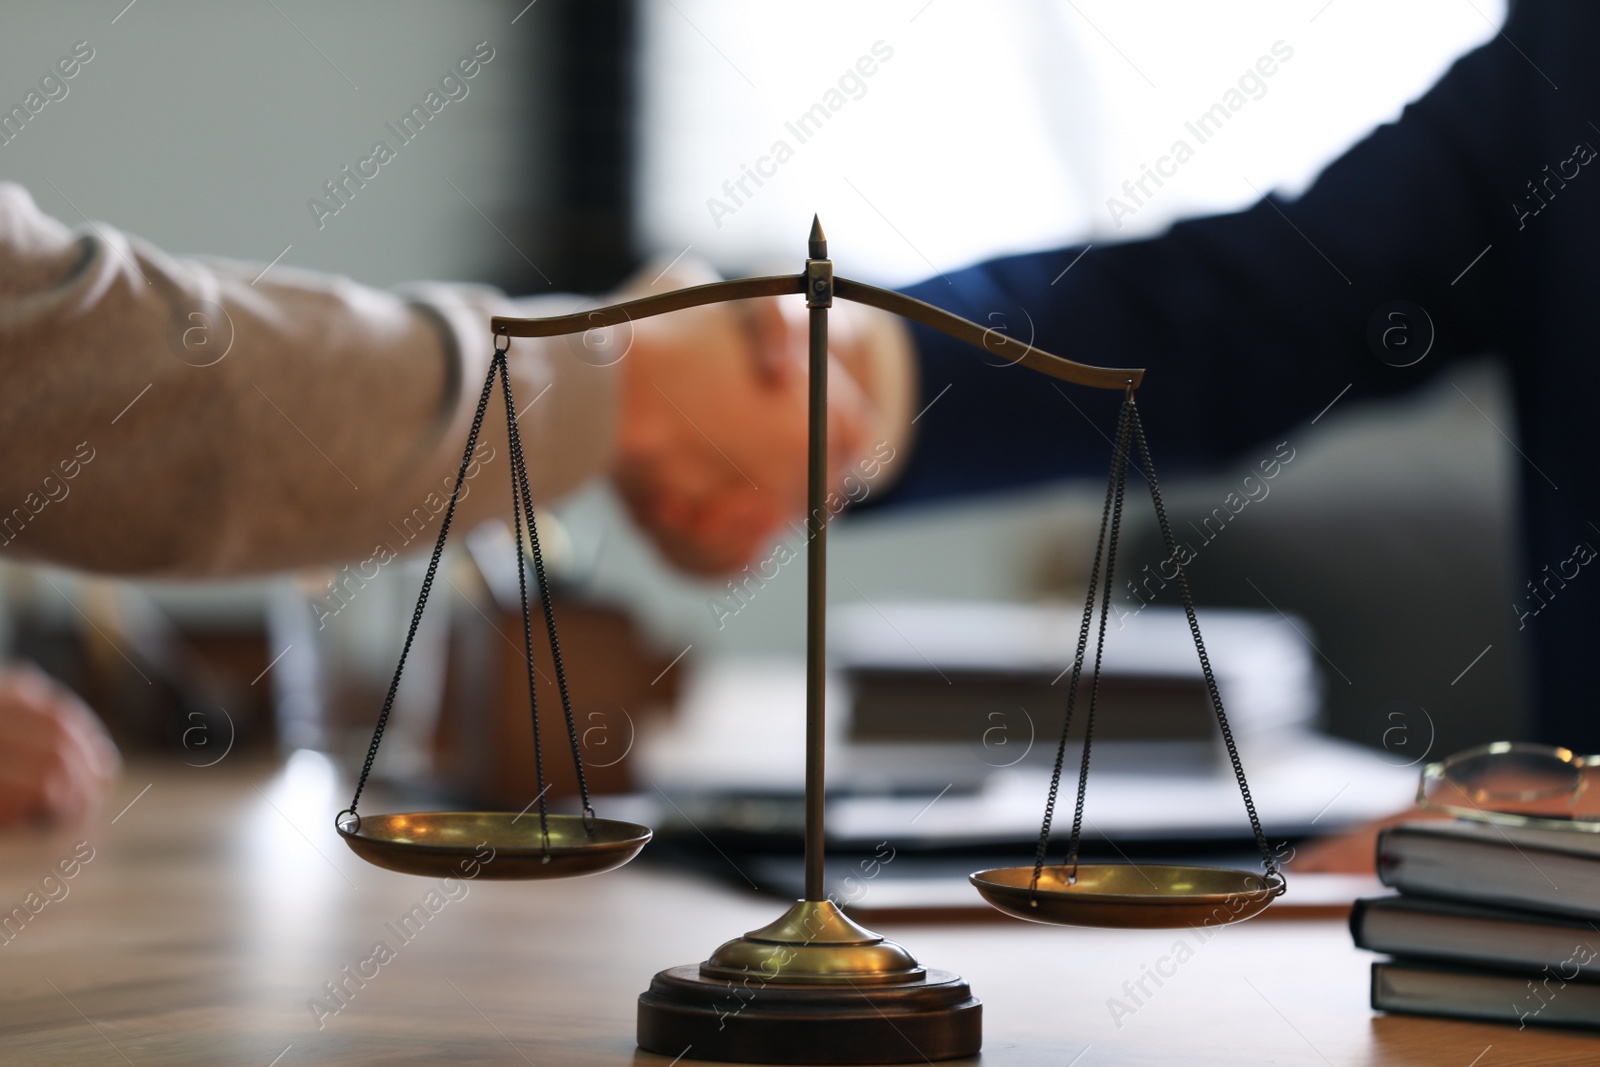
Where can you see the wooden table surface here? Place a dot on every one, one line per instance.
(217, 905)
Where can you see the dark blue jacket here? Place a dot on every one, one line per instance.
(1480, 206)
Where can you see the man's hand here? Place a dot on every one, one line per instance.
(711, 454)
(56, 761)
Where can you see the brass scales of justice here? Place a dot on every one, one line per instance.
(813, 986)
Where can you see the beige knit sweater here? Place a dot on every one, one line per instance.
(163, 416)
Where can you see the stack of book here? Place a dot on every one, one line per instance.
(1492, 922)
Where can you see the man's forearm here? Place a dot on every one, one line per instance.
(218, 420)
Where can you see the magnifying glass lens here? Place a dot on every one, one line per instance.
(1513, 776)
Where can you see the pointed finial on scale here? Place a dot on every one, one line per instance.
(819, 240)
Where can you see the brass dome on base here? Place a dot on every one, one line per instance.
(813, 943)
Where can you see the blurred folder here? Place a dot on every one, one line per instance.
(944, 721)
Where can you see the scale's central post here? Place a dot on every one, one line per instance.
(812, 986)
(819, 298)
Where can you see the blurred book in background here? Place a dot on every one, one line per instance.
(944, 720)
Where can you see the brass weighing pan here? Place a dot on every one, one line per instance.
(494, 844)
(498, 844)
(1129, 896)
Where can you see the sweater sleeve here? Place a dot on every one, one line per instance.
(196, 417)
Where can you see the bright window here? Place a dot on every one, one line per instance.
(931, 134)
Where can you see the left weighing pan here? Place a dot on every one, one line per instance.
(506, 845)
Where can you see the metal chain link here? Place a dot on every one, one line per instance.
(517, 505)
(422, 598)
(1200, 647)
(1119, 449)
(1119, 478)
(1130, 430)
(521, 504)
(521, 466)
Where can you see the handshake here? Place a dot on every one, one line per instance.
(711, 449)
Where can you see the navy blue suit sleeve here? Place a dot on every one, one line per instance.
(1248, 323)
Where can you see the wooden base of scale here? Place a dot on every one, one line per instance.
(812, 987)
(702, 1018)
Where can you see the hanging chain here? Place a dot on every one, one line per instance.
(422, 598)
(1119, 479)
(527, 618)
(521, 469)
(521, 505)
(1130, 431)
(1119, 449)
(1200, 647)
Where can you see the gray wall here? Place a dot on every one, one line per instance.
(206, 127)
